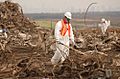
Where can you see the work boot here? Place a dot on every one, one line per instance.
(58, 69)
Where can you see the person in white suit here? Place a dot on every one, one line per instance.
(104, 25)
(63, 35)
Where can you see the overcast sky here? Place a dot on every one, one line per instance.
(38, 6)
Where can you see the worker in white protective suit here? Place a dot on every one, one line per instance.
(104, 25)
(64, 35)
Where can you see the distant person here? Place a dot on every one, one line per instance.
(63, 35)
(104, 25)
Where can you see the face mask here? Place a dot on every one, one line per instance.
(68, 19)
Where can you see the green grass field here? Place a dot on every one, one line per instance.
(45, 23)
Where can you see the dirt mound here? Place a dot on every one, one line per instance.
(27, 50)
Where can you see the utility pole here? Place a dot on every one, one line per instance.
(87, 12)
(51, 24)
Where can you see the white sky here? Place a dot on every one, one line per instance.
(38, 6)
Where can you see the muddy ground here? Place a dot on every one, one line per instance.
(101, 58)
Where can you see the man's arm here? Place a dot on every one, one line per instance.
(57, 31)
(72, 39)
(72, 35)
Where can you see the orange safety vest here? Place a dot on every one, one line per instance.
(64, 29)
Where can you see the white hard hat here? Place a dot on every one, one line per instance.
(103, 19)
(68, 15)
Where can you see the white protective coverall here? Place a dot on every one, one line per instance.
(62, 51)
(104, 25)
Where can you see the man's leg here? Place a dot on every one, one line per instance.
(65, 53)
(57, 56)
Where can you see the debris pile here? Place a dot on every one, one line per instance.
(27, 50)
